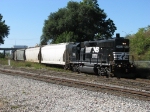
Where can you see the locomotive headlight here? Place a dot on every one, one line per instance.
(123, 43)
(119, 65)
(131, 65)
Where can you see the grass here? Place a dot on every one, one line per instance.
(4, 61)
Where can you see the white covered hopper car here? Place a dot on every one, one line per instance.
(49, 54)
(32, 54)
(19, 55)
(53, 54)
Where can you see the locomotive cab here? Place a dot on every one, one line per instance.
(123, 62)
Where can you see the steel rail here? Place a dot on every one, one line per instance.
(49, 78)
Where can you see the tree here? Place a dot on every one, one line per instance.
(77, 22)
(140, 44)
(4, 30)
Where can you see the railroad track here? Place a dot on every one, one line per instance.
(74, 82)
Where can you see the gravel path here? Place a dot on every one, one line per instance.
(18, 94)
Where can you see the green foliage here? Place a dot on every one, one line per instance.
(1, 55)
(140, 44)
(28, 64)
(4, 30)
(66, 37)
(77, 22)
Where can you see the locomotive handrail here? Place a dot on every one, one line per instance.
(98, 59)
(132, 57)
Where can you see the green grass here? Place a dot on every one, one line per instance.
(4, 61)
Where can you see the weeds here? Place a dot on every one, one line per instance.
(28, 64)
(4, 61)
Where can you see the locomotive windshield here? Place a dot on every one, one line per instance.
(122, 45)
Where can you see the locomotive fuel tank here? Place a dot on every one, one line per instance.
(87, 69)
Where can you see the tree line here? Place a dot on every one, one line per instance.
(4, 30)
(140, 44)
(77, 22)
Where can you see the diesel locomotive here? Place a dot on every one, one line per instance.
(109, 57)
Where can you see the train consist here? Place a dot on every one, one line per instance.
(108, 57)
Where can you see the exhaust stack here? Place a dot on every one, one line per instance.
(117, 35)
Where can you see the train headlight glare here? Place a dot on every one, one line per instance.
(119, 65)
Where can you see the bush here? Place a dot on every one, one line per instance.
(140, 44)
(1, 55)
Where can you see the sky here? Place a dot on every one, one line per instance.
(26, 17)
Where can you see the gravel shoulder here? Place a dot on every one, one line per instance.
(18, 94)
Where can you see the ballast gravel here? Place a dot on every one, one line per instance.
(18, 94)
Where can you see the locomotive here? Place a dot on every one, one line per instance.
(109, 57)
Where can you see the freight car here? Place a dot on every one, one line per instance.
(19, 55)
(103, 57)
(54, 54)
(32, 54)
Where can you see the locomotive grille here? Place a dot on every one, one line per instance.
(121, 55)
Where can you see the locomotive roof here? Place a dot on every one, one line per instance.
(106, 40)
(112, 39)
(94, 43)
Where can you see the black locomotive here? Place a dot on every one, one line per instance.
(108, 57)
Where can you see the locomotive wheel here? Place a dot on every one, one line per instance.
(65, 68)
(99, 72)
(108, 72)
(74, 68)
(78, 69)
